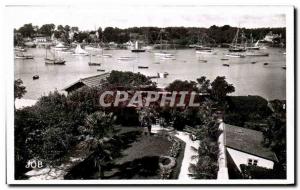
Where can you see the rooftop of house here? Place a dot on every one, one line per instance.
(92, 81)
(248, 141)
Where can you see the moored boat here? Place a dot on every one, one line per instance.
(23, 56)
(202, 60)
(143, 67)
(54, 60)
(79, 51)
(35, 77)
(256, 54)
(235, 47)
(94, 64)
(235, 55)
(206, 52)
(137, 48)
(126, 58)
(19, 49)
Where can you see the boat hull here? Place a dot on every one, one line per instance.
(235, 55)
(94, 64)
(138, 50)
(54, 62)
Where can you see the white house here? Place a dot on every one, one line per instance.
(270, 37)
(244, 146)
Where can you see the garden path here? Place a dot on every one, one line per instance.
(189, 151)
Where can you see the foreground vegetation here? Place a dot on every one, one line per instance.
(49, 130)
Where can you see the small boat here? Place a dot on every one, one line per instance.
(54, 61)
(143, 67)
(94, 64)
(138, 50)
(284, 53)
(23, 56)
(19, 49)
(168, 57)
(165, 74)
(284, 67)
(266, 63)
(224, 59)
(256, 54)
(126, 58)
(105, 55)
(162, 54)
(202, 60)
(235, 55)
(253, 62)
(206, 52)
(35, 77)
(226, 65)
(101, 70)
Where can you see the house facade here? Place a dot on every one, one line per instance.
(241, 146)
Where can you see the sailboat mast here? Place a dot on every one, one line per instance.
(236, 37)
(161, 41)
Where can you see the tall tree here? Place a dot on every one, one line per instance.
(47, 29)
(27, 30)
(220, 88)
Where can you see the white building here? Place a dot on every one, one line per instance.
(270, 37)
(244, 146)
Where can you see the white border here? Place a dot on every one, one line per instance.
(9, 76)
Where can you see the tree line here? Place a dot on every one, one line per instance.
(178, 35)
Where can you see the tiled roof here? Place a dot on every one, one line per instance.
(248, 141)
(92, 81)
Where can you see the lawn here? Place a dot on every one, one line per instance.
(136, 156)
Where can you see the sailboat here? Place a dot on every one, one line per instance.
(93, 63)
(202, 46)
(253, 46)
(104, 55)
(80, 51)
(137, 48)
(59, 47)
(235, 47)
(54, 60)
(163, 54)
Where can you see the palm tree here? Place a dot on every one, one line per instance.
(100, 126)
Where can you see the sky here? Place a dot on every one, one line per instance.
(92, 17)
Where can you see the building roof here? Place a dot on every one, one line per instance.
(248, 141)
(92, 81)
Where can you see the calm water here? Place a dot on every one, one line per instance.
(249, 79)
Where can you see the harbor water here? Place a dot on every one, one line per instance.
(248, 78)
